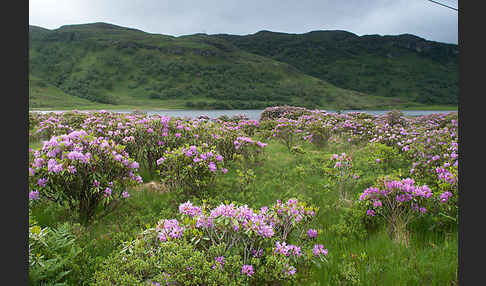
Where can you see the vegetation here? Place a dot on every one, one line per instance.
(375, 205)
(404, 67)
(103, 65)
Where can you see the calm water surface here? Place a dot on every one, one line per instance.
(251, 113)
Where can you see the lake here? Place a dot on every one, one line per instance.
(250, 113)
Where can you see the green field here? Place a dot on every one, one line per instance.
(357, 256)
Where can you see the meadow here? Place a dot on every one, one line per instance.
(297, 197)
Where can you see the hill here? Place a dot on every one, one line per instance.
(404, 66)
(110, 65)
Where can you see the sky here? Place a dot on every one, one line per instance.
(242, 17)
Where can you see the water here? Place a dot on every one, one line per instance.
(252, 113)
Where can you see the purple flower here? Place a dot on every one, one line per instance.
(75, 155)
(125, 195)
(262, 145)
(42, 182)
(71, 169)
(370, 212)
(212, 166)
(247, 269)
(188, 209)
(444, 197)
(312, 233)
(52, 166)
(169, 228)
(38, 162)
(257, 253)
(219, 262)
(290, 270)
(135, 165)
(34, 195)
(319, 249)
(107, 192)
(160, 161)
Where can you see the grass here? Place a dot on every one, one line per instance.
(430, 258)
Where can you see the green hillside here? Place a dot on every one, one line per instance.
(107, 65)
(44, 95)
(403, 66)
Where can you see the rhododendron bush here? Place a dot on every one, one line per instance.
(191, 169)
(398, 202)
(82, 171)
(341, 173)
(273, 245)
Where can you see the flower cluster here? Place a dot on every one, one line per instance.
(169, 229)
(403, 191)
(286, 250)
(249, 232)
(318, 250)
(340, 171)
(191, 168)
(398, 201)
(80, 168)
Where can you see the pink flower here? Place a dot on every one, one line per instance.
(319, 249)
(34, 195)
(247, 269)
(312, 233)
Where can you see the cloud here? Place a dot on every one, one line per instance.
(182, 17)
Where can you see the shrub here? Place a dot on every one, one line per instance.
(290, 112)
(226, 245)
(381, 159)
(83, 171)
(250, 150)
(191, 169)
(170, 263)
(52, 125)
(341, 173)
(398, 201)
(285, 131)
(394, 117)
(317, 133)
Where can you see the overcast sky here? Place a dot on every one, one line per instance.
(241, 17)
